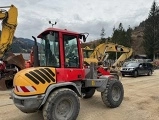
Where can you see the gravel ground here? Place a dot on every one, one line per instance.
(141, 102)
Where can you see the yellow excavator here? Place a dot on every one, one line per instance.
(9, 23)
(8, 61)
(101, 53)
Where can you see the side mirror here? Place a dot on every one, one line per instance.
(80, 36)
(84, 38)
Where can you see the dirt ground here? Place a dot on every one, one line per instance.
(141, 102)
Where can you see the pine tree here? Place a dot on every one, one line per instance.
(119, 36)
(128, 37)
(102, 35)
(151, 32)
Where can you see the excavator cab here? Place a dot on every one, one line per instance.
(87, 52)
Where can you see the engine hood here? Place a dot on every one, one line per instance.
(33, 81)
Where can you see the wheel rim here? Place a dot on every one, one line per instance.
(64, 109)
(116, 93)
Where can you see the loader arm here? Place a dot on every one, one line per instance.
(9, 23)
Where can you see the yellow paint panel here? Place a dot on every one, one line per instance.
(33, 77)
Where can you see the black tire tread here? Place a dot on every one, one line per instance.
(89, 93)
(107, 100)
(52, 96)
(149, 73)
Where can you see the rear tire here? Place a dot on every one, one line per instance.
(89, 92)
(62, 104)
(114, 93)
(149, 73)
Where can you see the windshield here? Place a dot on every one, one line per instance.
(49, 50)
(131, 65)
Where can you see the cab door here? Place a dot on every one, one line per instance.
(140, 69)
(72, 67)
(145, 67)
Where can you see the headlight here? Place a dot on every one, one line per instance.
(131, 68)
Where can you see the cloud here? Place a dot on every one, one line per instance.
(92, 27)
(77, 17)
(81, 16)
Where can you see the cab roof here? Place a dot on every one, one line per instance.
(57, 30)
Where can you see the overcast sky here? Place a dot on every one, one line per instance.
(78, 15)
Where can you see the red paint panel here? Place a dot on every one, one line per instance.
(103, 71)
(69, 74)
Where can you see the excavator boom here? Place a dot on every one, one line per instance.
(9, 23)
(103, 49)
(123, 57)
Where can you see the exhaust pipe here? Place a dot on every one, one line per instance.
(35, 53)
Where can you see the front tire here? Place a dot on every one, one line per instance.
(114, 93)
(135, 74)
(62, 104)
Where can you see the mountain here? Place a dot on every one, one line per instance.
(137, 39)
(21, 45)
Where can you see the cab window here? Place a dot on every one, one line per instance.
(49, 50)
